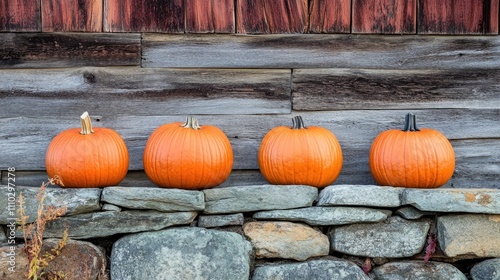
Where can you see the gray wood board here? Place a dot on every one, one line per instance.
(138, 91)
(41, 50)
(474, 132)
(341, 89)
(321, 51)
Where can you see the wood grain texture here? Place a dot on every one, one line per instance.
(122, 91)
(341, 89)
(210, 16)
(144, 16)
(42, 50)
(458, 16)
(384, 16)
(72, 15)
(321, 51)
(271, 16)
(475, 133)
(327, 16)
(20, 15)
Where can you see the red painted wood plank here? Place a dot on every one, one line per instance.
(72, 15)
(384, 16)
(330, 16)
(20, 15)
(210, 16)
(271, 16)
(458, 16)
(144, 16)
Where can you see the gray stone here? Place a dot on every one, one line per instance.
(100, 224)
(181, 253)
(286, 240)
(110, 207)
(410, 213)
(209, 221)
(468, 234)
(418, 270)
(3, 237)
(76, 201)
(160, 199)
(486, 270)
(393, 238)
(360, 195)
(310, 270)
(258, 198)
(326, 215)
(454, 200)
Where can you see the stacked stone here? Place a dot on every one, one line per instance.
(281, 232)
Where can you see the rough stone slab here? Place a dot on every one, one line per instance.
(258, 198)
(485, 201)
(100, 224)
(77, 201)
(110, 207)
(323, 216)
(469, 234)
(286, 240)
(410, 213)
(77, 260)
(160, 199)
(486, 270)
(181, 253)
(209, 221)
(360, 195)
(393, 238)
(418, 270)
(311, 270)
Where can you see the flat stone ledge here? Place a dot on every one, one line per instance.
(486, 201)
(160, 199)
(76, 200)
(323, 216)
(469, 234)
(258, 198)
(360, 195)
(210, 221)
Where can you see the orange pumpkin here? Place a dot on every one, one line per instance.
(412, 157)
(300, 155)
(188, 156)
(87, 157)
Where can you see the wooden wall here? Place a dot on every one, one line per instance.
(134, 72)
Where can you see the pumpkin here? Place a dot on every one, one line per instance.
(300, 155)
(412, 157)
(87, 157)
(188, 156)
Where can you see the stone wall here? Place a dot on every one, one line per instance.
(270, 232)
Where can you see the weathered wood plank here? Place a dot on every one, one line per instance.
(72, 15)
(122, 91)
(42, 50)
(23, 141)
(458, 16)
(20, 15)
(384, 16)
(340, 89)
(144, 16)
(210, 16)
(326, 16)
(321, 51)
(271, 16)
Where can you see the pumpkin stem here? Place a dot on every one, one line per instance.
(298, 123)
(410, 123)
(191, 122)
(86, 124)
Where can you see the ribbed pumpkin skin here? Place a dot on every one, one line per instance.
(185, 158)
(310, 156)
(412, 159)
(95, 160)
